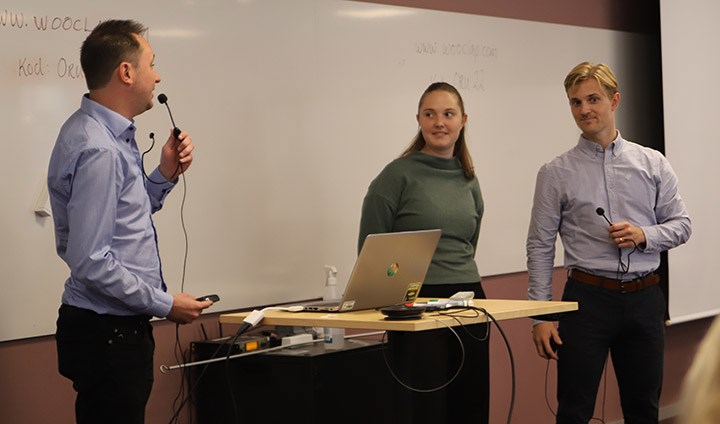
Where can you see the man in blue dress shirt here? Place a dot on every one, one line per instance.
(102, 206)
(616, 207)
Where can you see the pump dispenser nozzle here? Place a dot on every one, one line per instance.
(330, 283)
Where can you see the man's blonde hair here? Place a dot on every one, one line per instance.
(601, 72)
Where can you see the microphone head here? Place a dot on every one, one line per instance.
(162, 98)
(152, 135)
(600, 211)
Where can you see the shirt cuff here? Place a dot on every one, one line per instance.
(651, 234)
(159, 191)
(162, 306)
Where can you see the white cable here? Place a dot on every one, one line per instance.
(293, 308)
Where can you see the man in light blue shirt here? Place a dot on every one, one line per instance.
(102, 205)
(616, 206)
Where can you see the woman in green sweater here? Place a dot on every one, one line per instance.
(433, 185)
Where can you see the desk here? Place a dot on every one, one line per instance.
(301, 384)
(425, 360)
(375, 320)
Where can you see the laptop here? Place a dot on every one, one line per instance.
(389, 270)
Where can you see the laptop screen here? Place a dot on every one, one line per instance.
(389, 269)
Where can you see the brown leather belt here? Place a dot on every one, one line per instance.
(629, 286)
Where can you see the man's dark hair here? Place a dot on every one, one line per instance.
(110, 43)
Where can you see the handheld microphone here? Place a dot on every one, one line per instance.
(601, 212)
(162, 98)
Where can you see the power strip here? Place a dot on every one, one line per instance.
(436, 305)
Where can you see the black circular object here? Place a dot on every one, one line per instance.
(397, 312)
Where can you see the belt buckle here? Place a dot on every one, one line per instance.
(632, 285)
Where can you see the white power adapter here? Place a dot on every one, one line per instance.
(297, 339)
(463, 295)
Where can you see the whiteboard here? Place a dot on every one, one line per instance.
(689, 37)
(294, 107)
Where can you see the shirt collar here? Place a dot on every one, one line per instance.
(593, 149)
(116, 123)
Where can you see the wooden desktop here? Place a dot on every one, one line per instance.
(372, 319)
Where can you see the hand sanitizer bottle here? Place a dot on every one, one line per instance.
(334, 337)
(330, 292)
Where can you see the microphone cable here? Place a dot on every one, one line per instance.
(142, 161)
(433, 389)
(177, 350)
(510, 356)
(489, 316)
(182, 205)
(622, 268)
(456, 317)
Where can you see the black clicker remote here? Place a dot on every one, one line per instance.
(212, 297)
